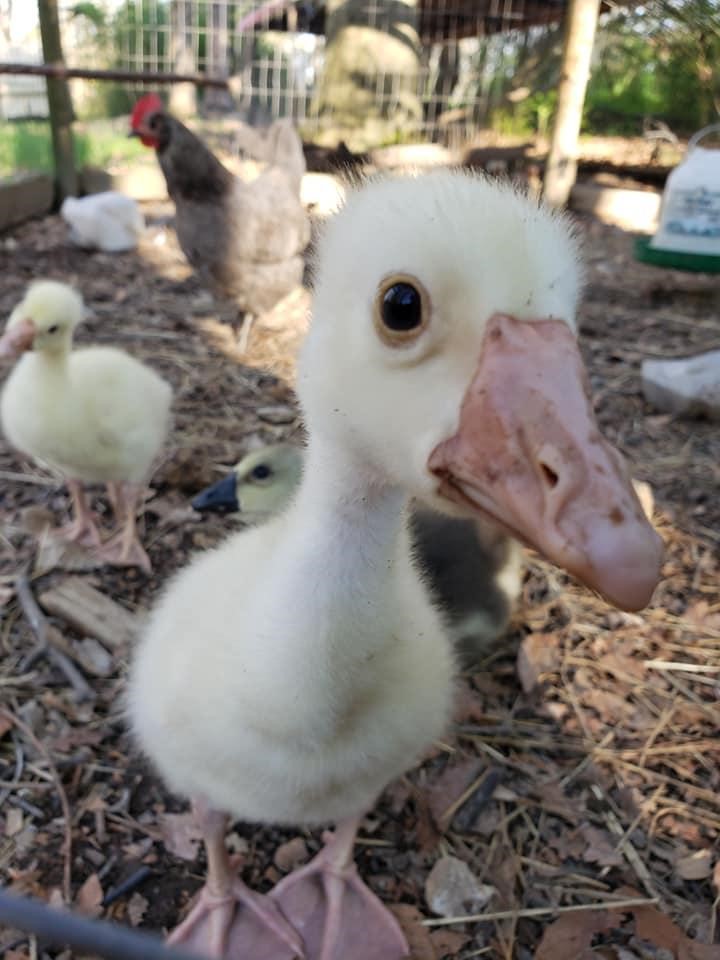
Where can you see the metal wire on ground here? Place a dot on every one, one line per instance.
(64, 929)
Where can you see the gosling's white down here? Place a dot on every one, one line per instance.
(473, 570)
(289, 675)
(97, 415)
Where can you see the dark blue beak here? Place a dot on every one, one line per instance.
(221, 497)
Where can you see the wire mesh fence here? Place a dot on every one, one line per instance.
(425, 69)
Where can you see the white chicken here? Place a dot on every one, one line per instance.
(108, 221)
(288, 676)
(96, 415)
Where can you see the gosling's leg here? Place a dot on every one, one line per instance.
(124, 548)
(339, 917)
(229, 919)
(83, 527)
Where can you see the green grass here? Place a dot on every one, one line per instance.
(25, 146)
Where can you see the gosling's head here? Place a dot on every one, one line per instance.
(44, 320)
(442, 360)
(259, 486)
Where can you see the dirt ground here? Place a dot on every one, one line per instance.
(582, 768)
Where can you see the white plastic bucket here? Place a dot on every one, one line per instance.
(690, 211)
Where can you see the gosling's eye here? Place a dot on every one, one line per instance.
(261, 472)
(402, 307)
(401, 310)
(53, 329)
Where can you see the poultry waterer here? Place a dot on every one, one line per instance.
(688, 237)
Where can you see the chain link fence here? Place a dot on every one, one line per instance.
(434, 69)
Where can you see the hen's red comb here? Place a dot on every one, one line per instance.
(150, 103)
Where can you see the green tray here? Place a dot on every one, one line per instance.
(698, 262)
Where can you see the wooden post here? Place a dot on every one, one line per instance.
(59, 102)
(561, 169)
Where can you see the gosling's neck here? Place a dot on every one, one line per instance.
(354, 509)
(52, 362)
(343, 539)
(330, 612)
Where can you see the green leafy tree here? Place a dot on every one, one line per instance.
(658, 61)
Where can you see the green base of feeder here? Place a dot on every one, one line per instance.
(697, 262)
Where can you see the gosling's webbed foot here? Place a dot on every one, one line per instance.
(239, 923)
(121, 551)
(81, 531)
(338, 916)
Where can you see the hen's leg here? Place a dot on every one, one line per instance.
(228, 918)
(82, 528)
(124, 548)
(338, 916)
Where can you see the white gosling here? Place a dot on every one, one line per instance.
(289, 675)
(96, 414)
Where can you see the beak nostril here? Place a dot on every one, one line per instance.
(549, 475)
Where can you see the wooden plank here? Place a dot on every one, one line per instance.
(91, 613)
(23, 197)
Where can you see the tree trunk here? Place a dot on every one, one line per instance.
(368, 93)
(560, 172)
(59, 102)
(183, 96)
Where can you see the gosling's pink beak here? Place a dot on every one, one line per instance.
(17, 339)
(529, 453)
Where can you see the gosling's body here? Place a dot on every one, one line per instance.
(97, 415)
(325, 717)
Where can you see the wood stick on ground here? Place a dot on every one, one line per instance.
(19, 766)
(624, 844)
(683, 667)
(44, 646)
(543, 911)
(39, 481)
(62, 796)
